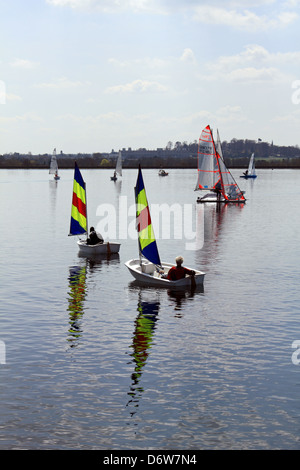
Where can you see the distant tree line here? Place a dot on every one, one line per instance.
(236, 154)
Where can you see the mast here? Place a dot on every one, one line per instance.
(231, 189)
(218, 156)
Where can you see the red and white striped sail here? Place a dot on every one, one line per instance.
(212, 172)
(208, 168)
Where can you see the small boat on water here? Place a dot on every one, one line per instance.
(147, 273)
(78, 225)
(162, 173)
(148, 268)
(118, 170)
(53, 170)
(250, 173)
(213, 175)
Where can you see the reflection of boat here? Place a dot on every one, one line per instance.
(118, 170)
(145, 324)
(148, 269)
(213, 175)
(250, 173)
(77, 293)
(109, 258)
(53, 170)
(162, 173)
(78, 225)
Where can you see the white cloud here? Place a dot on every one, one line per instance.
(137, 86)
(12, 97)
(27, 117)
(188, 56)
(109, 6)
(244, 20)
(252, 74)
(238, 14)
(22, 63)
(62, 83)
(254, 63)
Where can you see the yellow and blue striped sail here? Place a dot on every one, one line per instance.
(78, 224)
(147, 242)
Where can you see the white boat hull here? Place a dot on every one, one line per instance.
(212, 197)
(99, 249)
(148, 275)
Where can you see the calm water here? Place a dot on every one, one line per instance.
(94, 361)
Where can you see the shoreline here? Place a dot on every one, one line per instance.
(264, 166)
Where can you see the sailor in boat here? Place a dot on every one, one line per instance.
(178, 272)
(245, 173)
(218, 191)
(94, 237)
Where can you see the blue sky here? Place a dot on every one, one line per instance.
(96, 75)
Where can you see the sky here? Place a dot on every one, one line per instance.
(86, 76)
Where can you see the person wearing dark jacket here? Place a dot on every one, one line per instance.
(94, 237)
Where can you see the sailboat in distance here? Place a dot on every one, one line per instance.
(118, 170)
(213, 175)
(250, 173)
(148, 269)
(53, 170)
(79, 225)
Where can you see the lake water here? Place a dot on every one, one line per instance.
(90, 360)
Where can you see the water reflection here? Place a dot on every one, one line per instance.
(179, 297)
(53, 199)
(145, 325)
(79, 277)
(100, 259)
(76, 297)
(217, 218)
(118, 186)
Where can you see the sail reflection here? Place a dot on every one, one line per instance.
(76, 297)
(217, 219)
(145, 325)
(80, 277)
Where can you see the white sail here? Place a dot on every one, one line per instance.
(53, 164)
(213, 174)
(208, 170)
(251, 167)
(119, 164)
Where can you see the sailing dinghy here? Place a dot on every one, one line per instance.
(118, 170)
(148, 269)
(79, 226)
(53, 170)
(250, 173)
(213, 175)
